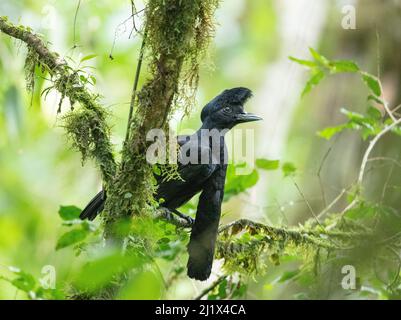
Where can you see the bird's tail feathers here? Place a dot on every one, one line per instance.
(201, 247)
(94, 207)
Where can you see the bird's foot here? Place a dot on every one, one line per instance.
(187, 218)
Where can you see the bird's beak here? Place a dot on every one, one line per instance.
(247, 117)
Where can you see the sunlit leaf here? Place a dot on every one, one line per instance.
(373, 83)
(313, 81)
(267, 164)
(24, 281)
(88, 57)
(328, 133)
(318, 57)
(288, 169)
(372, 97)
(303, 62)
(374, 113)
(343, 66)
(237, 183)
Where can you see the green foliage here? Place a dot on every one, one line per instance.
(32, 287)
(80, 230)
(266, 164)
(369, 125)
(69, 212)
(71, 237)
(288, 169)
(321, 67)
(239, 183)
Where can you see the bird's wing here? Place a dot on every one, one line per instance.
(178, 191)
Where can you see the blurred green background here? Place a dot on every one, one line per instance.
(39, 171)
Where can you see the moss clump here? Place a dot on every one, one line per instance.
(89, 133)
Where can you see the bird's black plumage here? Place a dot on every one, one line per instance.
(206, 175)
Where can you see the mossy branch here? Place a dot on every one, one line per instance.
(87, 126)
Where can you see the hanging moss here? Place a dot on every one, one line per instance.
(31, 60)
(89, 134)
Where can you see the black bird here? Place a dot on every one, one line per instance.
(204, 172)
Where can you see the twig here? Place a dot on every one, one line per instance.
(135, 86)
(325, 210)
(366, 159)
(309, 206)
(319, 174)
(389, 175)
(75, 22)
(395, 162)
(211, 287)
(390, 113)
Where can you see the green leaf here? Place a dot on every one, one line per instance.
(238, 183)
(83, 79)
(266, 164)
(288, 169)
(222, 290)
(364, 211)
(248, 181)
(69, 212)
(374, 113)
(71, 237)
(93, 78)
(313, 81)
(88, 57)
(373, 83)
(328, 133)
(25, 281)
(343, 66)
(318, 57)
(307, 63)
(354, 116)
(376, 99)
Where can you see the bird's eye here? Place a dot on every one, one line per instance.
(227, 109)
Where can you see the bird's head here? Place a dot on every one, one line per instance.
(227, 109)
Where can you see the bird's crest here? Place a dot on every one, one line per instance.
(228, 97)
